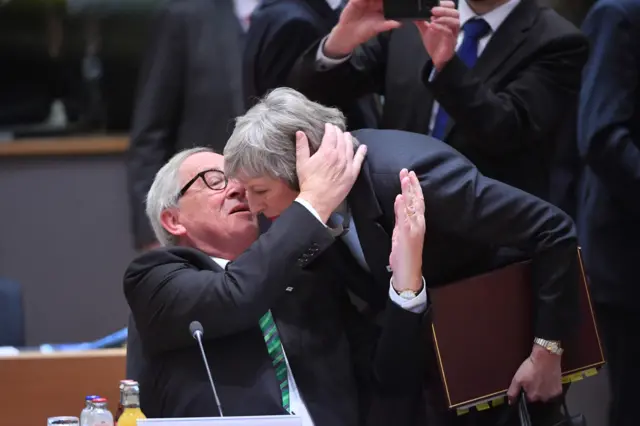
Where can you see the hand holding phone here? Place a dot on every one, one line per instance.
(360, 21)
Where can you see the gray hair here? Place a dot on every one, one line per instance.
(263, 141)
(164, 193)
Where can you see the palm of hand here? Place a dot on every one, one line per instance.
(440, 46)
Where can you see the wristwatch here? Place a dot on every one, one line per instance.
(553, 346)
(408, 294)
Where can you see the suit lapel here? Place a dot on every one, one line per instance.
(374, 239)
(510, 35)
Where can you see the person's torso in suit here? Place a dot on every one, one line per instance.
(509, 54)
(510, 87)
(212, 96)
(469, 218)
(281, 30)
(311, 324)
(609, 214)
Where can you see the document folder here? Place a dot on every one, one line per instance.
(225, 421)
(482, 339)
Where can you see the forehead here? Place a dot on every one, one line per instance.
(196, 163)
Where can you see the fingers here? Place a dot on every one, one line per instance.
(416, 189)
(439, 28)
(385, 26)
(441, 11)
(330, 138)
(358, 159)
(401, 210)
(451, 23)
(448, 4)
(514, 391)
(302, 147)
(348, 146)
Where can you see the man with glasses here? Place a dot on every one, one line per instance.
(280, 331)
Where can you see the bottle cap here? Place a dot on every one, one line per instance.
(100, 400)
(91, 397)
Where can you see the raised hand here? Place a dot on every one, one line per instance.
(327, 176)
(408, 235)
(360, 20)
(440, 35)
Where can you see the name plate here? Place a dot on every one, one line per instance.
(227, 421)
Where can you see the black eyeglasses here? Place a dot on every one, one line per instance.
(214, 179)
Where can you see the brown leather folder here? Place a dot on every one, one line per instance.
(481, 340)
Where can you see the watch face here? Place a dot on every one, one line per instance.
(553, 346)
(407, 294)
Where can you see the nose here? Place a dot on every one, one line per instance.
(236, 191)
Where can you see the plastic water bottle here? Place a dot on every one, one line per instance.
(100, 415)
(88, 408)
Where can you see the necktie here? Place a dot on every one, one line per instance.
(274, 347)
(473, 30)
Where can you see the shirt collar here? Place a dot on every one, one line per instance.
(495, 18)
(334, 4)
(221, 262)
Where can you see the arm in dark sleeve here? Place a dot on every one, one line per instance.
(460, 201)
(364, 73)
(165, 297)
(282, 46)
(524, 112)
(607, 103)
(157, 114)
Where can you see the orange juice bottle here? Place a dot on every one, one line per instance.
(130, 400)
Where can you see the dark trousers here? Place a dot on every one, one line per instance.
(620, 333)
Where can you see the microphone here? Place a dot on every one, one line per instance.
(196, 330)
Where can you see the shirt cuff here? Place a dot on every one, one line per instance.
(417, 305)
(308, 206)
(324, 63)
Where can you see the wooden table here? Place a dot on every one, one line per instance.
(67, 146)
(34, 386)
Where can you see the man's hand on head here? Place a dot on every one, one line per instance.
(327, 176)
(540, 376)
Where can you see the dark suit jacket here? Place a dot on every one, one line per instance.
(609, 130)
(507, 113)
(190, 92)
(281, 30)
(328, 345)
(469, 218)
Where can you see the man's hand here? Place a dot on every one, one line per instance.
(408, 235)
(540, 376)
(440, 36)
(327, 176)
(360, 20)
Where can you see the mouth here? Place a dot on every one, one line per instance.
(240, 208)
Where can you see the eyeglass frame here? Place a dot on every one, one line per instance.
(200, 175)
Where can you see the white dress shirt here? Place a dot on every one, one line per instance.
(494, 18)
(417, 305)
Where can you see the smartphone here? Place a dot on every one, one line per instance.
(415, 10)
